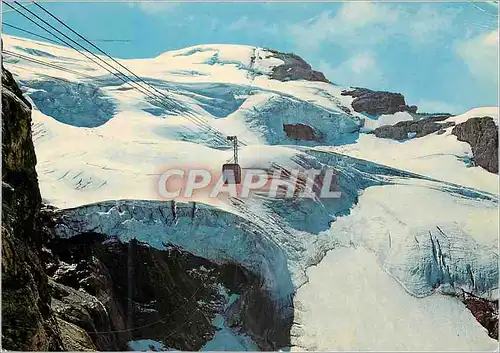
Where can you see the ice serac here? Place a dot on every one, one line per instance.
(279, 119)
(73, 103)
(279, 238)
(212, 234)
(92, 292)
(201, 229)
(351, 302)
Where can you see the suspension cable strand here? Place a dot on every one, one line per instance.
(48, 65)
(42, 63)
(121, 65)
(118, 63)
(123, 79)
(72, 47)
(139, 87)
(94, 46)
(196, 120)
(29, 32)
(37, 72)
(53, 41)
(156, 96)
(23, 57)
(79, 45)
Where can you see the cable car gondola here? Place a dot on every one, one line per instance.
(232, 171)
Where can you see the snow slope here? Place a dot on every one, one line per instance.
(476, 112)
(374, 313)
(412, 212)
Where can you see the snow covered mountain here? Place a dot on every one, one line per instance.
(383, 267)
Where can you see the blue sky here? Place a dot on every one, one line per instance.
(441, 56)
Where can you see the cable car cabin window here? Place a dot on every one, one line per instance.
(231, 173)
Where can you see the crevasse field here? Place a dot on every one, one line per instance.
(363, 269)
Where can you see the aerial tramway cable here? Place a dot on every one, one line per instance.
(152, 95)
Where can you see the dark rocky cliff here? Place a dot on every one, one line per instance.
(120, 292)
(27, 321)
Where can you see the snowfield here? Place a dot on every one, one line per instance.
(414, 226)
(352, 302)
(477, 112)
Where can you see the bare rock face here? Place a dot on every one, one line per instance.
(118, 292)
(485, 311)
(300, 132)
(74, 338)
(419, 128)
(294, 68)
(482, 135)
(259, 317)
(378, 102)
(77, 312)
(27, 321)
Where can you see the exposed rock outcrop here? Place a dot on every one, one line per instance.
(300, 132)
(378, 102)
(485, 311)
(405, 129)
(481, 134)
(27, 321)
(120, 292)
(259, 317)
(294, 68)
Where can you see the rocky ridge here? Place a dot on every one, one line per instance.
(294, 68)
(418, 128)
(378, 102)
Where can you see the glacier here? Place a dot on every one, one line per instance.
(413, 228)
(73, 103)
